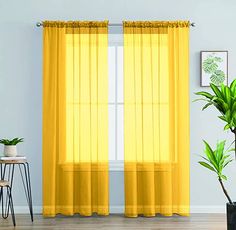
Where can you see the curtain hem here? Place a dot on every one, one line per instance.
(51, 211)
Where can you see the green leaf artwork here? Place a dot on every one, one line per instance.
(218, 77)
(211, 66)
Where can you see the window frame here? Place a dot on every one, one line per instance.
(116, 41)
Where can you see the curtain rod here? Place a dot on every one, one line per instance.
(39, 24)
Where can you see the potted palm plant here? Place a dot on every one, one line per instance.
(10, 149)
(216, 160)
(223, 98)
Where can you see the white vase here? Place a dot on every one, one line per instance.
(10, 150)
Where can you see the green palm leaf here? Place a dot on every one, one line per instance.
(206, 165)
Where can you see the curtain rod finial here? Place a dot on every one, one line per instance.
(38, 24)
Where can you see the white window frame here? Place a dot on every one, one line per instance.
(116, 162)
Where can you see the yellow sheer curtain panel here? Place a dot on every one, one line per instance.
(75, 118)
(156, 118)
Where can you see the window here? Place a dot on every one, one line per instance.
(116, 102)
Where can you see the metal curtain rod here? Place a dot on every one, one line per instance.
(38, 24)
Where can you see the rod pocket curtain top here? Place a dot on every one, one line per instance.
(156, 118)
(75, 118)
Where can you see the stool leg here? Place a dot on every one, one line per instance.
(11, 205)
(1, 179)
(11, 167)
(27, 187)
(30, 194)
(2, 201)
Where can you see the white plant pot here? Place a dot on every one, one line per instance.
(10, 150)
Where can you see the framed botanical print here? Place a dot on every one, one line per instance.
(214, 68)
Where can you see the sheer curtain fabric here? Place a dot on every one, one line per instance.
(75, 118)
(156, 118)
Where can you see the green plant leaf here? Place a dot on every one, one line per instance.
(233, 86)
(14, 141)
(206, 165)
(231, 150)
(233, 106)
(201, 99)
(224, 100)
(205, 94)
(221, 156)
(205, 159)
(227, 162)
(216, 91)
(228, 95)
(228, 116)
(219, 150)
(223, 177)
(210, 155)
(227, 127)
(207, 105)
(223, 90)
(223, 118)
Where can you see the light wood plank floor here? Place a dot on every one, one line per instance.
(115, 222)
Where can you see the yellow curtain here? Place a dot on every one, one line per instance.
(156, 118)
(75, 118)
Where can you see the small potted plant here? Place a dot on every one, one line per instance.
(10, 149)
(216, 160)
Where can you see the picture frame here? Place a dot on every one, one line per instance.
(214, 67)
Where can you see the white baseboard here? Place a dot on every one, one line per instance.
(193, 209)
(120, 209)
(208, 209)
(117, 209)
(25, 209)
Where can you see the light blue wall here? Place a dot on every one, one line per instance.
(21, 75)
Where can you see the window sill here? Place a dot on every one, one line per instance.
(118, 166)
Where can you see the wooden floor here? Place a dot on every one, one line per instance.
(195, 221)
